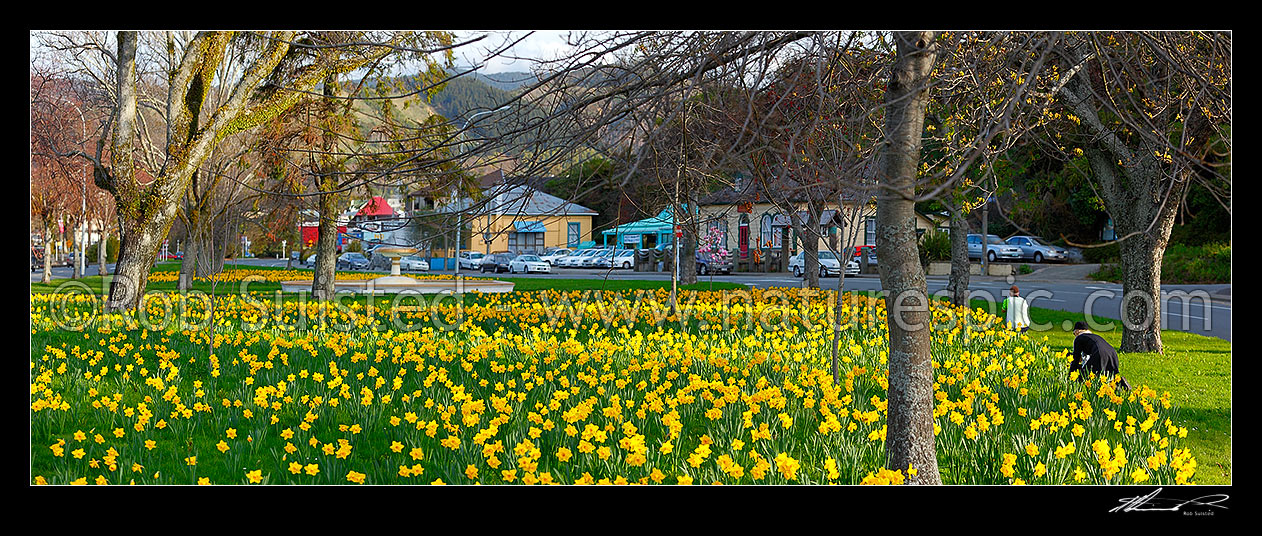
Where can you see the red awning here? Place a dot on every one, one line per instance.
(377, 206)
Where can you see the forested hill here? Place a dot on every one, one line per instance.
(473, 92)
(466, 95)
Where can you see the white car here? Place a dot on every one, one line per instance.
(575, 260)
(828, 264)
(598, 259)
(471, 259)
(529, 263)
(624, 258)
(852, 267)
(555, 255)
(412, 263)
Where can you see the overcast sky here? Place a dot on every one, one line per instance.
(542, 44)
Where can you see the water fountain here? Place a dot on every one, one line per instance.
(397, 283)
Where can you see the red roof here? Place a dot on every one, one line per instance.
(377, 206)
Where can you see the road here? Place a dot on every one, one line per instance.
(1103, 300)
(1203, 316)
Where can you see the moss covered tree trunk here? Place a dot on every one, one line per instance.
(909, 440)
(139, 248)
(323, 285)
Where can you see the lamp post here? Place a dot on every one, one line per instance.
(80, 264)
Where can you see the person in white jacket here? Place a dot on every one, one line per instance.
(1017, 310)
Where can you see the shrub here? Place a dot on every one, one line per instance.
(1024, 269)
(937, 245)
(1209, 263)
(1183, 264)
(111, 251)
(1102, 254)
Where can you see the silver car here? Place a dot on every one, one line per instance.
(995, 249)
(1035, 249)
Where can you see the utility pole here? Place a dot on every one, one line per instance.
(985, 235)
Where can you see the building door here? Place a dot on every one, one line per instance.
(574, 233)
(742, 236)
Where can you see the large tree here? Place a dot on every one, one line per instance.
(1149, 110)
(279, 68)
(909, 440)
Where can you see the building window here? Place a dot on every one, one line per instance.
(574, 234)
(765, 232)
(525, 242)
(869, 233)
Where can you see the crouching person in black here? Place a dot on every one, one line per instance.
(1094, 354)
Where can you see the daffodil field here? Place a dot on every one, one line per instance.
(553, 387)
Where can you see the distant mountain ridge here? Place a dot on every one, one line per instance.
(509, 81)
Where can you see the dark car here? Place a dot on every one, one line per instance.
(496, 262)
(707, 263)
(352, 261)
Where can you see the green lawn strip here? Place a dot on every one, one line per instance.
(522, 284)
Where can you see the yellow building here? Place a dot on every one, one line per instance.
(522, 219)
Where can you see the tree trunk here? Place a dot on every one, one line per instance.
(1143, 206)
(958, 283)
(48, 254)
(810, 250)
(102, 251)
(188, 267)
(1141, 293)
(322, 287)
(137, 252)
(909, 440)
(838, 315)
(72, 226)
(688, 252)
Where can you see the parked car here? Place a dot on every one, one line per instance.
(529, 263)
(552, 256)
(576, 259)
(996, 249)
(495, 262)
(605, 260)
(311, 261)
(352, 261)
(624, 258)
(471, 259)
(707, 263)
(1035, 249)
(852, 267)
(37, 263)
(828, 264)
(413, 263)
(597, 258)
